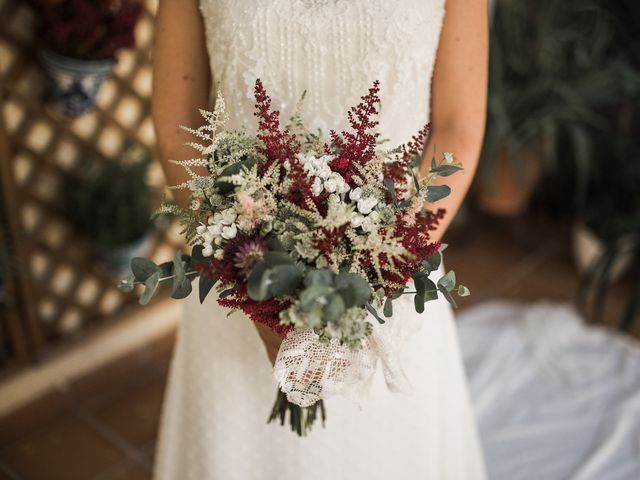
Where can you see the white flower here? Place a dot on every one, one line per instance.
(448, 157)
(215, 230)
(200, 229)
(331, 185)
(316, 188)
(369, 224)
(228, 216)
(365, 205)
(229, 232)
(355, 194)
(207, 237)
(217, 218)
(217, 240)
(219, 254)
(374, 216)
(343, 187)
(356, 219)
(207, 251)
(324, 171)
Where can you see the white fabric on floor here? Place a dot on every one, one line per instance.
(555, 399)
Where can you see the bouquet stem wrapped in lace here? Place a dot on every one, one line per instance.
(317, 238)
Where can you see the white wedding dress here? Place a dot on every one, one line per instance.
(221, 387)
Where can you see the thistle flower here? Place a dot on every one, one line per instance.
(248, 254)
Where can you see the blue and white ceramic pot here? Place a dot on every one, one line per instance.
(76, 82)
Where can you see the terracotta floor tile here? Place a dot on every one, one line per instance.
(162, 351)
(126, 471)
(8, 474)
(135, 415)
(33, 416)
(65, 449)
(114, 379)
(136, 472)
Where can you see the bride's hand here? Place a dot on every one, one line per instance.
(271, 340)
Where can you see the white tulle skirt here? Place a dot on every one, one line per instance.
(221, 390)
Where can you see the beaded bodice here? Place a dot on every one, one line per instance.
(333, 50)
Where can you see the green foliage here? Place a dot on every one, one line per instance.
(111, 202)
(555, 68)
(611, 210)
(276, 275)
(177, 275)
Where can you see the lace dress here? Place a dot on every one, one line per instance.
(221, 385)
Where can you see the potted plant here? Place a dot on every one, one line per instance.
(80, 39)
(607, 236)
(111, 205)
(553, 69)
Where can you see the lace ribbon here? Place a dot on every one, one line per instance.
(308, 370)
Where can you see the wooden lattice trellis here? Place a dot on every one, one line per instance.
(63, 290)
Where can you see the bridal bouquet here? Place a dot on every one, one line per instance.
(315, 238)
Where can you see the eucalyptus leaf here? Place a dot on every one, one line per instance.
(167, 271)
(225, 187)
(390, 186)
(150, 287)
(448, 280)
(312, 295)
(437, 192)
(373, 312)
(447, 295)
(397, 294)
(388, 308)
(180, 278)
(418, 301)
(271, 259)
(196, 253)
(463, 291)
(126, 284)
(182, 289)
(143, 268)
(334, 308)
(354, 289)
(318, 276)
(257, 289)
(432, 263)
(284, 280)
(275, 244)
(418, 281)
(227, 292)
(446, 169)
(205, 284)
(431, 291)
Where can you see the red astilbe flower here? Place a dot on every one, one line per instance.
(402, 164)
(265, 312)
(357, 146)
(415, 238)
(300, 191)
(278, 145)
(327, 240)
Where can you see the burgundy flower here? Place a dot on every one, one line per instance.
(248, 254)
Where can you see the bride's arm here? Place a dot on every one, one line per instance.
(459, 97)
(181, 83)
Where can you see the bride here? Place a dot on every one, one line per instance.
(431, 60)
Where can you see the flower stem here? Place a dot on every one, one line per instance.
(301, 419)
